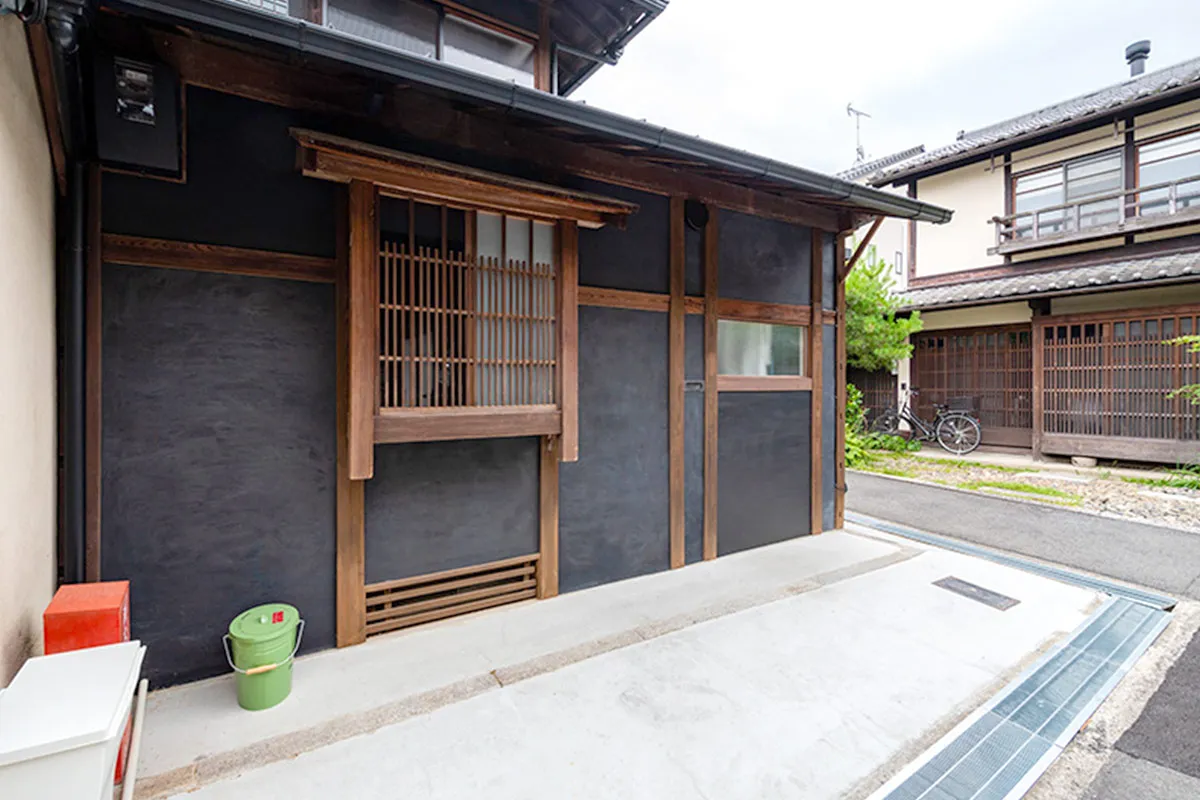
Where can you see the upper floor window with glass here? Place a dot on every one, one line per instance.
(1170, 169)
(426, 29)
(1055, 200)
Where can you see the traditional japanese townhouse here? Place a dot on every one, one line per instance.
(1073, 256)
(374, 320)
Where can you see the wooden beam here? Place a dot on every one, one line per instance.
(816, 338)
(764, 383)
(141, 251)
(351, 496)
(93, 346)
(644, 301)
(339, 159)
(839, 496)
(568, 338)
(771, 313)
(43, 71)
(428, 118)
(547, 574)
(844, 270)
(710, 384)
(675, 381)
(447, 424)
(364, 315)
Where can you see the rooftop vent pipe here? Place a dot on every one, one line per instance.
(1136, 54)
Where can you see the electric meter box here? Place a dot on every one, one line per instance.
(138, 120)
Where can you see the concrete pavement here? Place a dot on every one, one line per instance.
(1149, 555)
(824, 691)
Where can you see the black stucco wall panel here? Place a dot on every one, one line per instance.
(693, 261)
(218, 457)
(693, 435)
(613, 502)
(828, 425)
(764, 491)
(828, 276)
(636, 257)
(242, 190)
(442, 505)
(763, 260)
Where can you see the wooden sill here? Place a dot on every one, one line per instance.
(484, 422)
(763, 383)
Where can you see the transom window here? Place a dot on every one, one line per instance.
(1038, 197)
(759, 348)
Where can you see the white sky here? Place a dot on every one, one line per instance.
(774, 76)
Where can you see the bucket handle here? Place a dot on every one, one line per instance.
(264, 667)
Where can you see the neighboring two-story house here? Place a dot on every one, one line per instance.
(1073, 256)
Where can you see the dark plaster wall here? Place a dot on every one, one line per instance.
(218, 457)
(613, 503)
(828, 276)
(828, 425)
(636, 258)
(763, 260)
(442, 505)
(693, 438)
(763, 468)
(693, 261)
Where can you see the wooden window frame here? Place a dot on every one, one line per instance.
(768, 314)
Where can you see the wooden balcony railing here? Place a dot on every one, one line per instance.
(1141, 208)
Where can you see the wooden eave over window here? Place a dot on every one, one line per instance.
(343, 160)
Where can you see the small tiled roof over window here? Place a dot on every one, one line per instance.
(1146, 270)
(1101, 102)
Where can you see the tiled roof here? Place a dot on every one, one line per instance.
(1110, 99)
(1143, 270)
(877, 165)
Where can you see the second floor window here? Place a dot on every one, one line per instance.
(1170, 161)
(1055, 200)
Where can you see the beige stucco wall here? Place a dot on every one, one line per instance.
(998, 314)
(976, 193)
(1174, 295)
(27, 358)
(1068, 147)
(1160, 122)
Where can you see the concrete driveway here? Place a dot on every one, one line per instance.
(1158, 557)
(826, 692)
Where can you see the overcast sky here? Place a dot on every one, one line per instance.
(774, 76)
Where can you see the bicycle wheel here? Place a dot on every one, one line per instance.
(888, 422)
(958, 434)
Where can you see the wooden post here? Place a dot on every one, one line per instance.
(816, 369)
(675, 380)
(93, 342)
(547, 571)
(839, 496)
(363, 313)
(711, 405)
(1037, 344)
(568, 338)
(351, 515)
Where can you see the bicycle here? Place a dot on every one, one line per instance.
(956, 431)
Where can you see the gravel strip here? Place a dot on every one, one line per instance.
(1160, 505)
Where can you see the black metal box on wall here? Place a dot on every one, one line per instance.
(137, 112)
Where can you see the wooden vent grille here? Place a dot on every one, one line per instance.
(457, 331)
(411, 601)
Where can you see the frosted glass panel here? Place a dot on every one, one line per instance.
(756, 348)
(488, 239)
(543, 242)
(488, 52)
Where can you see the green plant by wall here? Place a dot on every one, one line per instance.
(860, 444)
(875, 337)
(1190, 391)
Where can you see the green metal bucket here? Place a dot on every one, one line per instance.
(260, 647)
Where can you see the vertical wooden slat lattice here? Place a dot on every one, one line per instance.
(457, 331)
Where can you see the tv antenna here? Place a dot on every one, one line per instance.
(851, 111)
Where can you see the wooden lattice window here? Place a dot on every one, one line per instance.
(467, 309)
(1111, 375)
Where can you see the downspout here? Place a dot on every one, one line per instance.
(64, 20)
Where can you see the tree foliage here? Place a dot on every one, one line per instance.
(875, 337)
(1190, 391)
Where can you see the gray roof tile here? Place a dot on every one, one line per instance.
(1109, 99)
(1142, 270)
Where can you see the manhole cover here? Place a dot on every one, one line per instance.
(977, 593)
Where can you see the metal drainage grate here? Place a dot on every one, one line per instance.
(977, 593)
(1000, 751)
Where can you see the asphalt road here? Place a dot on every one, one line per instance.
(1159, 558)
(1158, 757)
